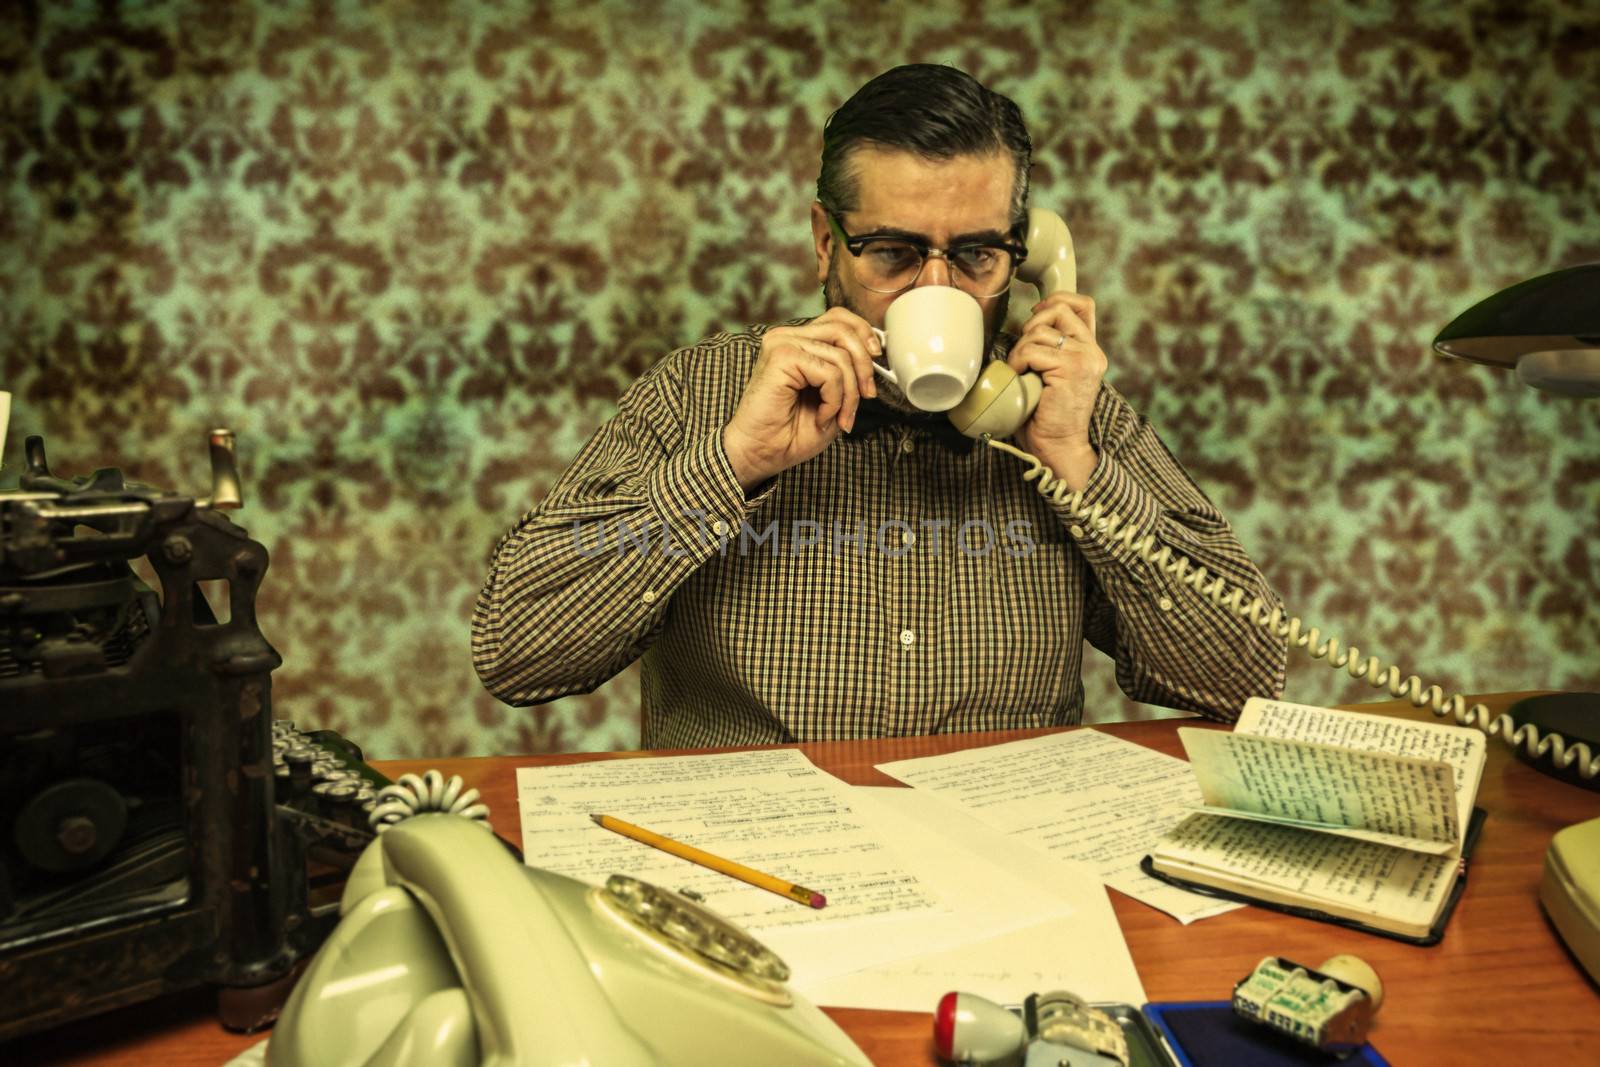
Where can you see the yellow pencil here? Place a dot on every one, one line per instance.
(715, 863)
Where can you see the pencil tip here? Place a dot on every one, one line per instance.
(596, 818)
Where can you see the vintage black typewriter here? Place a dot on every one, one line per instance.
(157, 830)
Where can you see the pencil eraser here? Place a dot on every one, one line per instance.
(818, 900)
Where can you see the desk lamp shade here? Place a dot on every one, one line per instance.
(1548, 328)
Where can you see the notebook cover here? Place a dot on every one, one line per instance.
(1432, 937)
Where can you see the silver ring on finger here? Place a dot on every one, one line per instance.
(1061, 343)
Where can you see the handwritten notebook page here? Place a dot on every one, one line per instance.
(1371, 796)
(1465, 750)
(1349, 878)
(891, 890)
(1083, 796)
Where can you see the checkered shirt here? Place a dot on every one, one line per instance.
(889, 586)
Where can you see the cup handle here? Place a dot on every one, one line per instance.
(883, 342)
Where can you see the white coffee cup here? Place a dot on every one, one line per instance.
(933, 339)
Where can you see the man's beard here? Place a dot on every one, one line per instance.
(889, 394)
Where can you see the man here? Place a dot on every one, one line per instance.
(798, 556)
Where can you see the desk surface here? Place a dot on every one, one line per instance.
(1499, 989)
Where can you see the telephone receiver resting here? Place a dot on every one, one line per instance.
(1002, 400)
(451, 952)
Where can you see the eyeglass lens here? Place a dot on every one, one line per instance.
(889, 266)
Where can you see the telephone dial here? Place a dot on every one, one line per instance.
(451, 952)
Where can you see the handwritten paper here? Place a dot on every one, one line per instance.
(1084, 952)
(799, 828)
(1462, 748)
(1083, 796)
(1373, 796)
(891, 891)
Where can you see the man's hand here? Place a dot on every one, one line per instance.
(1058, 344)
(803, 391)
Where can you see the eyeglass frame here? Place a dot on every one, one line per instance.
(854, 243)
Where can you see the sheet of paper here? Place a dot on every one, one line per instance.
(891, 890)
(1462, 748)
(1335, 871)
(1084, 953)
(1083, 796)
(1373, 796)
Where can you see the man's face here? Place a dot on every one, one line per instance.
(941, 202)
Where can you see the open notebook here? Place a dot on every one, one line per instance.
(1336, 815)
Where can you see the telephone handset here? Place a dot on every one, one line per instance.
(1001, 400)
(451, 951)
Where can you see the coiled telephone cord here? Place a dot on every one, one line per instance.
(431, 792)
(1306, 638)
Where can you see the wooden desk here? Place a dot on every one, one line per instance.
(1499, 989)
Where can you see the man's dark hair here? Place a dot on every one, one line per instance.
(936, 112)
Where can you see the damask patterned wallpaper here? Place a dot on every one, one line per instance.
(413, 251)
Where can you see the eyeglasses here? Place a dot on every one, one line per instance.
(893, 264)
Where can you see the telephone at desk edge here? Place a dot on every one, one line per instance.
(450, 951)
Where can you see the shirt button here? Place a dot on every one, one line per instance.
(907, 445)
(719, 527)
(648, 596)
(1165, 603)
(1076, 531)
(907, 638)
(908, 537)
